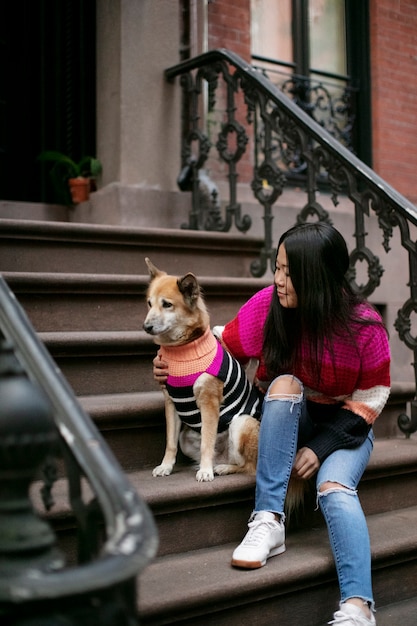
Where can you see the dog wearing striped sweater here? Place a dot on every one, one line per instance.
(211, 408)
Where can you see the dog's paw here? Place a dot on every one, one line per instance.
(162, 470)
(224, 468)
(204, 475)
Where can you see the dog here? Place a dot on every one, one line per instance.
(207, 390)
(212, 428)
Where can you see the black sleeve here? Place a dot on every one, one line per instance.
(345, 430)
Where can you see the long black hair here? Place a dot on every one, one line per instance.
(318, 260)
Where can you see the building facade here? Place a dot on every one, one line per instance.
(89, 77)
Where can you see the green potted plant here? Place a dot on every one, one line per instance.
(71, 180)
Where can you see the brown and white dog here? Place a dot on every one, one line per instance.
(207, 390)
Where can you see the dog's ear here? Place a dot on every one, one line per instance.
(153, 270)
(189, 288)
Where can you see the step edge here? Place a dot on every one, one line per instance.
(181, 492)
(272, 578)
(64, 282)
(128, 235)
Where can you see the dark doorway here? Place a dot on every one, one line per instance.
(47, 90)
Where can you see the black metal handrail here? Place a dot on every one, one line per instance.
(130, 536)
(223, 92)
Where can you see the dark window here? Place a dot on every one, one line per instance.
(47, 92)
(317, 51)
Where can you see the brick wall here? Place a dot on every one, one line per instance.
(229, 26)
(393, 31)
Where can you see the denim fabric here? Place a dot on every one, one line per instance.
(286, 427)
(346, 523)
(278, 438)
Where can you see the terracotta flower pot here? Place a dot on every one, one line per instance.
(79, 188)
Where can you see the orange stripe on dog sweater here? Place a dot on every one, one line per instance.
(191, 358)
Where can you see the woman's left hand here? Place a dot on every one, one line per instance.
(306, 464)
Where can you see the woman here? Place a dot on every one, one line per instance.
(327, 354)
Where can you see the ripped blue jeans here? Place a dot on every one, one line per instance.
(286, 427)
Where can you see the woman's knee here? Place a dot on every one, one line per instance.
(285, 385)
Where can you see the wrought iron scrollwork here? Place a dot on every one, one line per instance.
(408, 423)
(387, 218)
(267, 186)
(375, 271)
(288, 142)
(50, 475)
(207, 215)
(313, 209)
(223, 144)
(403, 323)
(330, 104)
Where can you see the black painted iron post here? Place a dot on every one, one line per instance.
(27, 437)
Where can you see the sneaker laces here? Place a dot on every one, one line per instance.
(258, 530)
(340, 617)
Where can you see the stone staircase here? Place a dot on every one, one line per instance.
(83, 288)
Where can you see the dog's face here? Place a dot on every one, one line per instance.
(176, 311)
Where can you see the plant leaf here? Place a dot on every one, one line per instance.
(63, 159)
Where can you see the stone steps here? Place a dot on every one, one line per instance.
(129, 421)
(199, 525)
(403, 613)
(83, 287)
(38, 246)
(297, 587)
(182, 506)
(58, 301)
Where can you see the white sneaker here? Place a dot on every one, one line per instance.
(265, 538)
(351, 615)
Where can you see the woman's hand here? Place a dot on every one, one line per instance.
(160, 370)
(306, 463)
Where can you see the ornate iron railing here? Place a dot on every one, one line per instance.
(328, 98)
(42, 426)
(231, 107)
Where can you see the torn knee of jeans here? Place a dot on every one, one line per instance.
(326, 492)
(290, 397)
(335, 487)
(293, 398)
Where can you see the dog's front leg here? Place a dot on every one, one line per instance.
(208, 392)
(173, 426)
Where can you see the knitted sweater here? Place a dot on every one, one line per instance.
(353, 387)
(186, 363)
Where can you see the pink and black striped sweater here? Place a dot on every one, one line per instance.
(205, 354)
(353, 388)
